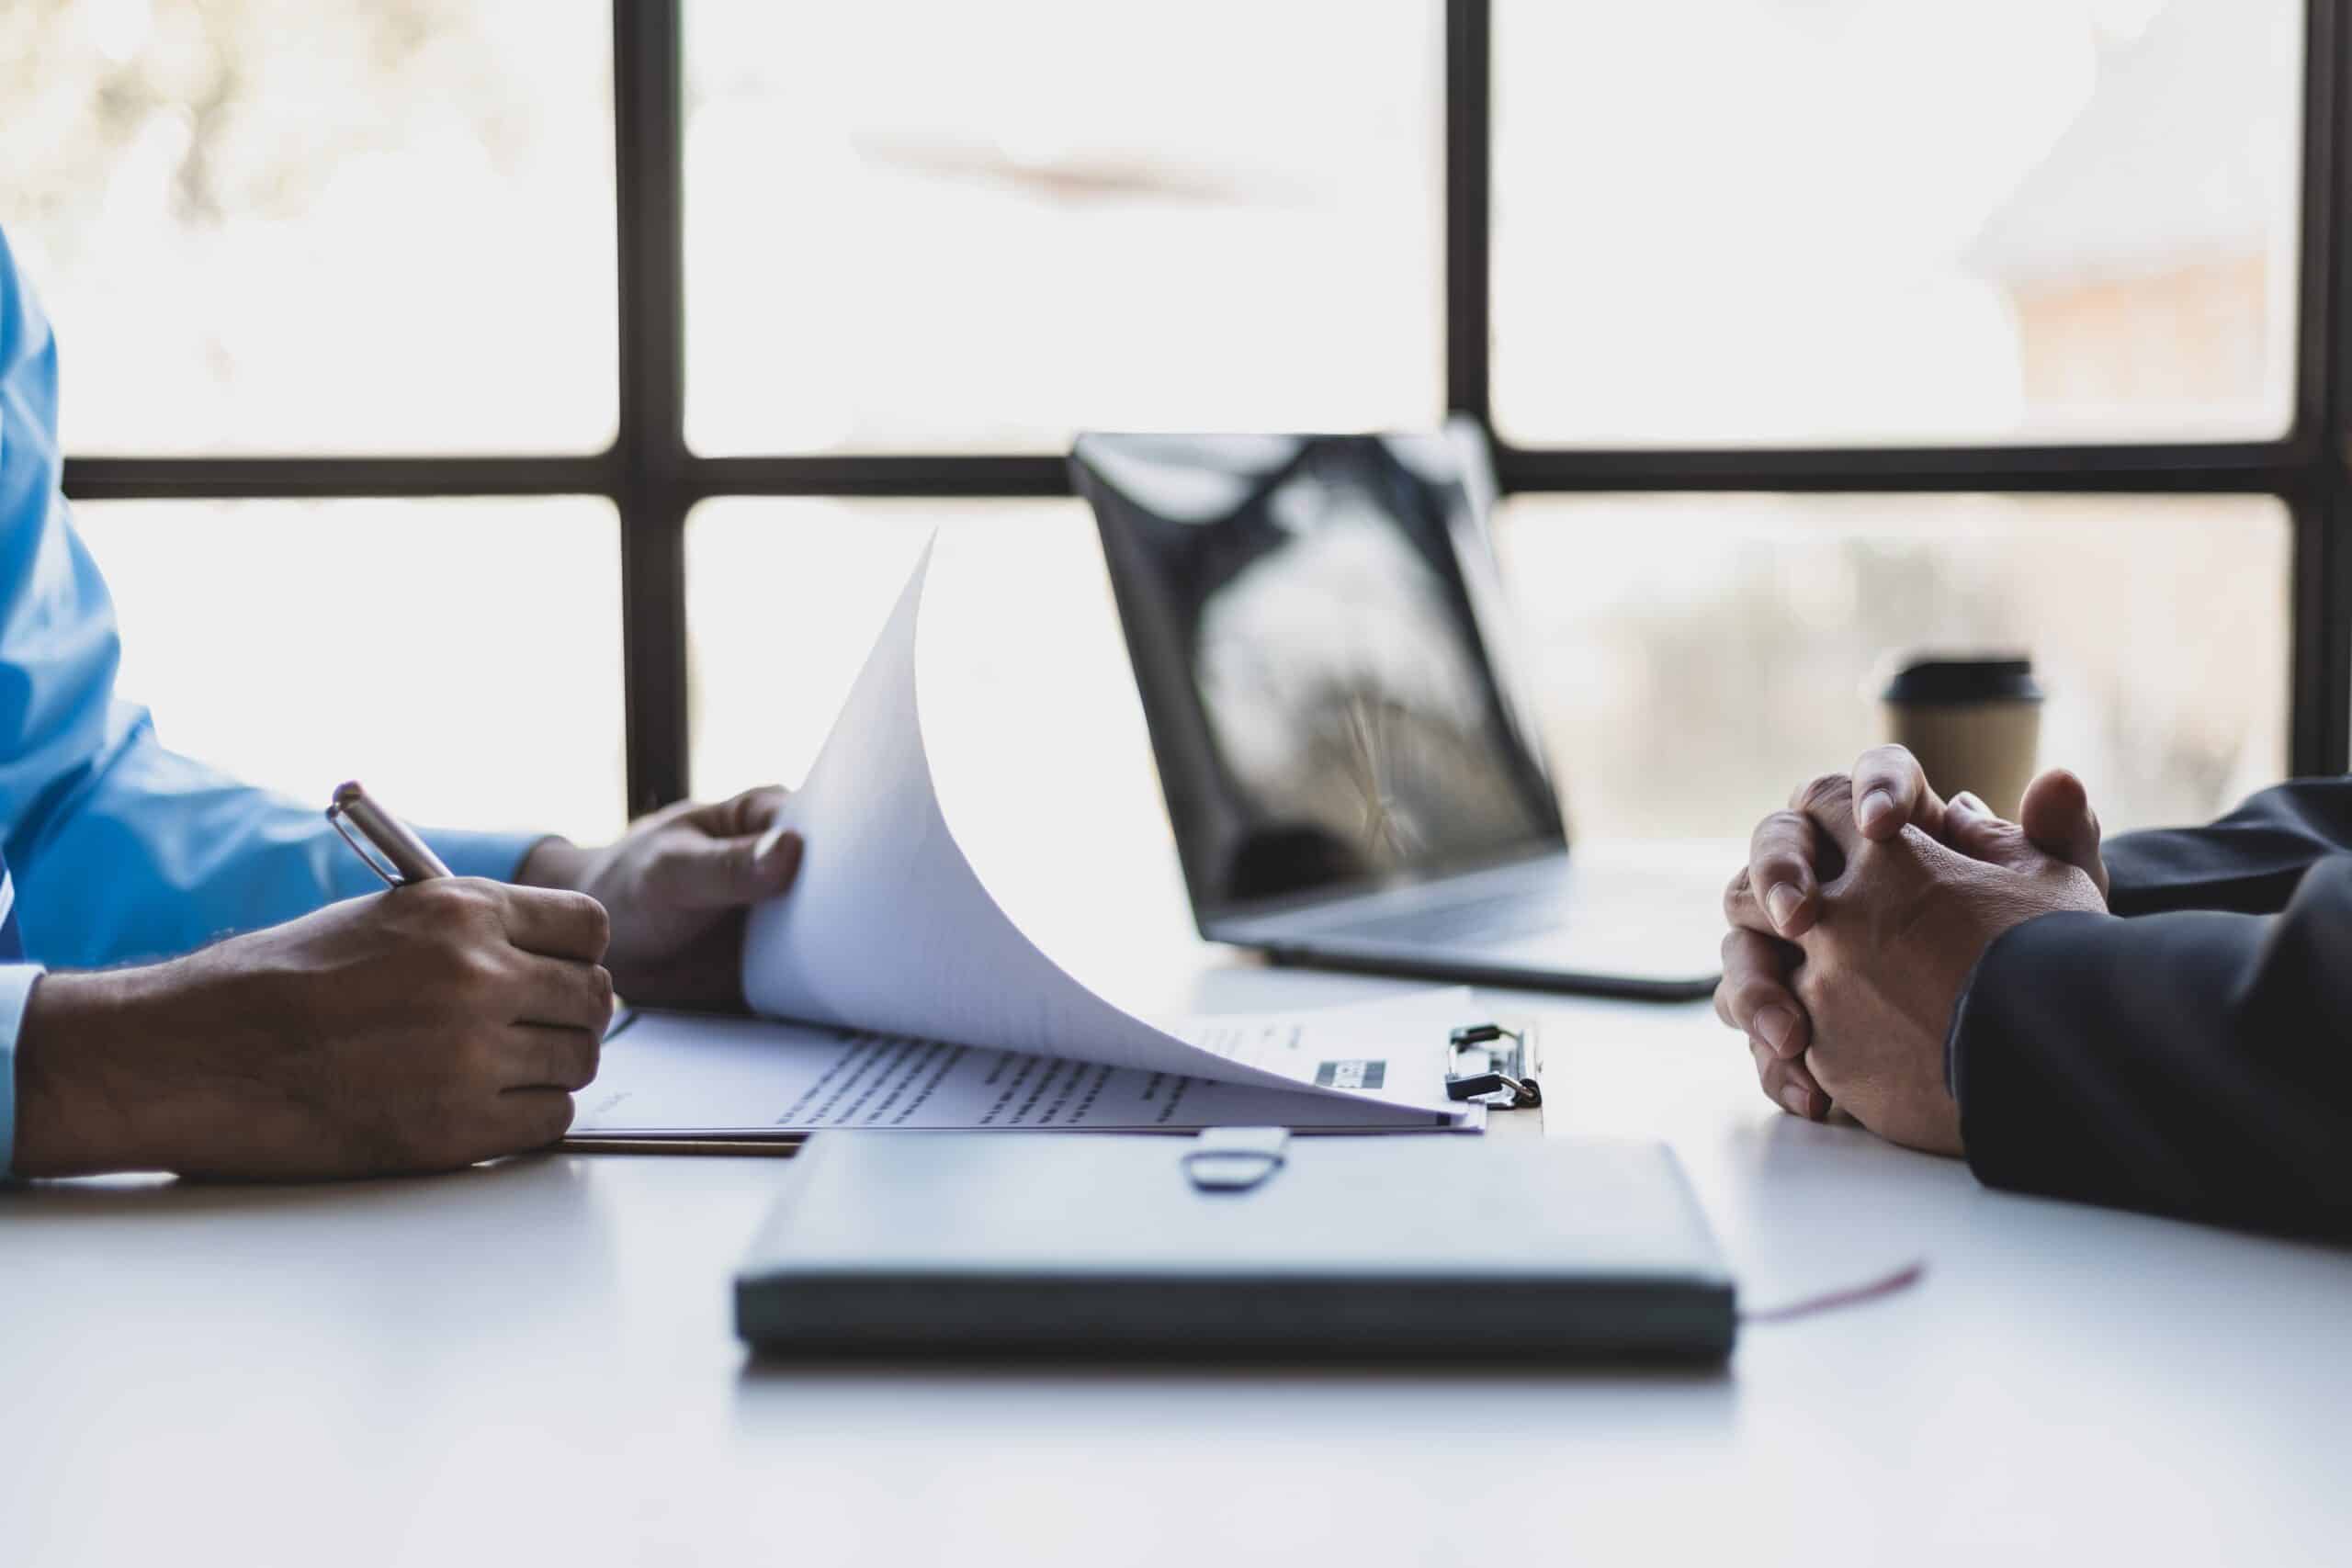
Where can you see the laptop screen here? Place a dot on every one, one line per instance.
(1314, 625)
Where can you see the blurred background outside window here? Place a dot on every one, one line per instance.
(1715, 651)
(264, 227)
(1754, 222)
(915, 226)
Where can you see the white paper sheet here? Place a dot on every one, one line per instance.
(676, 1074)
(888, 930)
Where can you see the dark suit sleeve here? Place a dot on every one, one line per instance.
(2249, 861)
(2197, 1064)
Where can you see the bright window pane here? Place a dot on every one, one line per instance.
(1696, 657)
(280, 227)
(462, 656)
(1754, 221)
(953, 226)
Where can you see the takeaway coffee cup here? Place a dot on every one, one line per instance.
(1974, 724)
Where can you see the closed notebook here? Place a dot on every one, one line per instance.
(912, 1243)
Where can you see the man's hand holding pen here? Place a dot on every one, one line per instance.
(419, 1029)
(443, 1021)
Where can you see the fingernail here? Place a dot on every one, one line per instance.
(1966, 801)
(769, 844)
(1773, 1023)
(1783, 901)
(1876, 805)
(1798, 1100)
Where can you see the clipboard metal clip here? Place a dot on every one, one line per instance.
(1486, 1063)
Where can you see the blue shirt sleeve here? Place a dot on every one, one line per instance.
(121, 850)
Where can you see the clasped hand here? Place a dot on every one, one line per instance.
(1863, 911)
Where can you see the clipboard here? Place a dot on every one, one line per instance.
(1510, 1049)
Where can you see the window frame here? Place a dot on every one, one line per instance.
(654, 480)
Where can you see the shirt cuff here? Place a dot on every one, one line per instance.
(497, 856)
(15, 990)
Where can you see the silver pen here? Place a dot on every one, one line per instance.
(388, 845)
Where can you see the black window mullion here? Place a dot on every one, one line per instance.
(651, 476)
(2276, 467)
(2321, 649)
(2321, 714)
(325, 478)
(1469, 228)
(977, 474)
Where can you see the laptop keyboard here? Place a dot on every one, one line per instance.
(1501, 917)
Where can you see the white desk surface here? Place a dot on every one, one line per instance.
(533, 1363)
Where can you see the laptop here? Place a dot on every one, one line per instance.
(1352, 765)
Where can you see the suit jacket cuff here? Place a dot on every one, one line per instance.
(2020, 1129)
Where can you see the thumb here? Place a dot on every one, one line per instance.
(1971, 828)
(2057, 817)
(752, 811)
(699, 871)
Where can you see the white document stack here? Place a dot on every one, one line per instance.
(915, 1002)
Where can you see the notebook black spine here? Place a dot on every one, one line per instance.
(1212, 1318)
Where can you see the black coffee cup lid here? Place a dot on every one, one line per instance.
(1998, 680)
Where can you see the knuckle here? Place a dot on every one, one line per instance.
(1782, 852)
(1776, 837)
(444, 893)
(1751, 994)
(480, 1057)
(1885, 764)
(575, 913)
(429, 907)
(595, 921)
(465, 909)
(471, 973)
(1821, 791)
(1811, 987)
(461, 896)
(569, 1058)
(1745, 956)
(667, 874)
